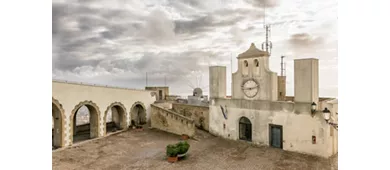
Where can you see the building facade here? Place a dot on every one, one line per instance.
(162, 92)
(254, 114)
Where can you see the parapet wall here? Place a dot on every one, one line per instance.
(200, 114)
(171, 122)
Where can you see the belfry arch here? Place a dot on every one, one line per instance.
(58, 135)
(138, 113)
(79, 132)
(118, 119)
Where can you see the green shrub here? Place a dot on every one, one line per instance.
(172, 150)
(182, 147)
(179, 148)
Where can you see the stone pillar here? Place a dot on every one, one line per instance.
(306, 80)
(74, 125)
(217, 80)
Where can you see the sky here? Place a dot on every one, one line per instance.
(116, 42)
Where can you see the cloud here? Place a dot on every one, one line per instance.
(115, 42)
(206, 23)
(238, 34)
(264, 3)
(158, 28)
(302, 40)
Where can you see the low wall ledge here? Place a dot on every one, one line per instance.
(173, 113)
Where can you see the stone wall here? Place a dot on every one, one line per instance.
(165, 105)
(67, 97)
(200, 114)
(295, 118)
(171, 122)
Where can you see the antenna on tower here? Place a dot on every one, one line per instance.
(146, 79)
(282, 67)
(267, 45)
(165, 80)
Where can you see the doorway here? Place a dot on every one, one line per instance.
(160, 95)
(115, 118)
(85, 123)
(138, 115)
(245, 129)
(57, 127)
(276, 136)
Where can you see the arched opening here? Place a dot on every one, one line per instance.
(245, 129)
(245, 63)
(85, 122)
(57, 127)
(115, 118)
(138, 114)
(256, 63)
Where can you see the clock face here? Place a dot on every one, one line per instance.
(250, 88)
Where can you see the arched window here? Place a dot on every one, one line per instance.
(245, 63)
(245, 129)
(256, 63)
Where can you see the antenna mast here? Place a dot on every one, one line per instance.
(267, 45)
(146, 79)
(282, 67)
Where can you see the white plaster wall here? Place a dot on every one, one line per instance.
(306, 80)
(217, 81)
(298, 129)
(332, 106)
(69, 95)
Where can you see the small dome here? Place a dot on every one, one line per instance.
(198, 92)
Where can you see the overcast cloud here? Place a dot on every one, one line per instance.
(115, 42)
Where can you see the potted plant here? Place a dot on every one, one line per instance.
(172, 151)
(182, 148)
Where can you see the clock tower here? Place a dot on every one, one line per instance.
(253, 79)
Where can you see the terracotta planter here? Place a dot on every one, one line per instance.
(184, 137)
(172, 159)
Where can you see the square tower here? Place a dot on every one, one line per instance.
(217, 80)
(306, 80)
(254, 80)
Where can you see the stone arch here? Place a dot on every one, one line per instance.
(256, 63)
(94, 114)
(245, 129)
(138, 113)
(122, 115)
(58, 114)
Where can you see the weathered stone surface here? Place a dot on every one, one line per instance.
(172, 122)
(200, 114)
(146, 150)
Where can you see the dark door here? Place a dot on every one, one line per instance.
(160, 94)
(276, 136)
(245, 129)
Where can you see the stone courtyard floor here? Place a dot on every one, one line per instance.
(146, 150)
